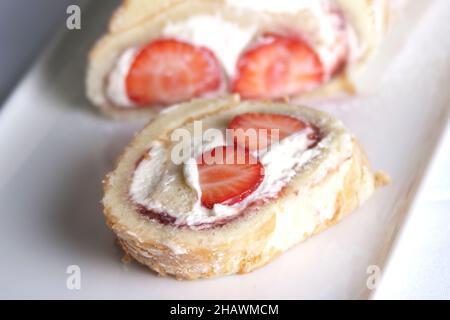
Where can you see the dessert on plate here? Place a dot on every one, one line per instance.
(222, 186)
(161, 52)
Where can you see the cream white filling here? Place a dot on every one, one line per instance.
(328, 25)
(223, 37)
(281, 163)
(228, 39)
(148, 173)
(116, 87)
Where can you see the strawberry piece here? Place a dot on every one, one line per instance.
(228, 175)
(277, 67)
(168, 71)
(247, 131)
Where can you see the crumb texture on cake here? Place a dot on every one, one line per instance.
(322, 192)
(136, 22)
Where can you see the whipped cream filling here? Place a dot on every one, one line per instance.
(116, 87)
(223, 37)
(330, 27)
(228, 40)
(329, 35)
(281, 163)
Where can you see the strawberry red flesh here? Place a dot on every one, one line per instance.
(275, 127)
(228, 175)
(277, 66)
(168, 71)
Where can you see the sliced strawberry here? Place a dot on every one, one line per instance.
(228, 175)
(256, 131)
(168, 71)
(277, 67)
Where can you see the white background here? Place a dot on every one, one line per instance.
(420, 263)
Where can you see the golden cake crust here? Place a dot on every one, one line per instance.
(136, 22)
(251, 240)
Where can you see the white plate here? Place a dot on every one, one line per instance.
(55, 151)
